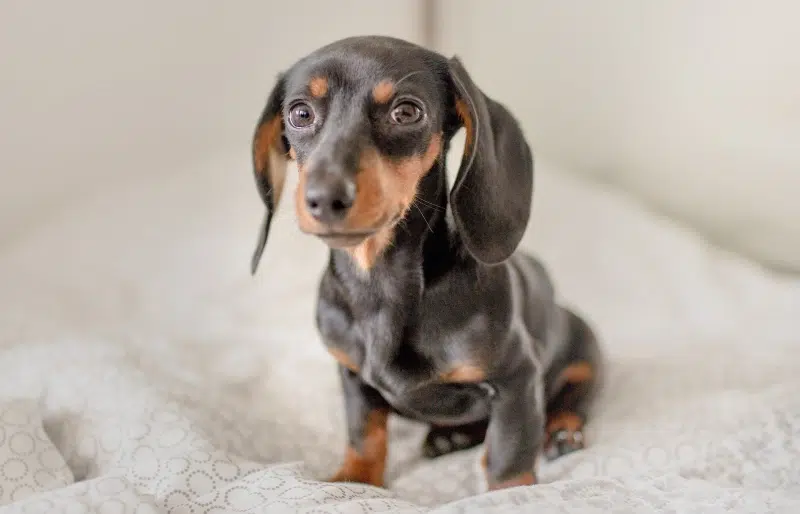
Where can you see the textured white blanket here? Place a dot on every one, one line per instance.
(143, 370)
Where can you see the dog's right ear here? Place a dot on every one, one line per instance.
(270, 160)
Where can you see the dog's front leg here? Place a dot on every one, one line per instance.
(366, 414)
(516, 430)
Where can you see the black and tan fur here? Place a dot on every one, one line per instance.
(426, 304)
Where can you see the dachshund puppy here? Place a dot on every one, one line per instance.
(425, 304)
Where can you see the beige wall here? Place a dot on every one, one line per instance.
(693, 104)
(92, 90)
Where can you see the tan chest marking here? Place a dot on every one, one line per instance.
(464, 373)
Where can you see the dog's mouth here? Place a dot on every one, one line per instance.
(351, 238)
(344, 239)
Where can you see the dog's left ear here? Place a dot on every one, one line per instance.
(270, 160)
(492, 193)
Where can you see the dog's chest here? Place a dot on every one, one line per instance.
(417, 381)
(377, 345)
(395, 353)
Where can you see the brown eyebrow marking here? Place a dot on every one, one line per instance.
(318, 87)
(383, 91)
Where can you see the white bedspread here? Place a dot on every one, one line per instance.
(144, 370)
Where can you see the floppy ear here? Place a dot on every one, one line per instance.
(492, 193)
(270, 161)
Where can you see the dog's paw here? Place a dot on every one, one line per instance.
(518, 481)
(359, 476)
(362, 470)
(564, 435)
(443, 440)
(562, 442)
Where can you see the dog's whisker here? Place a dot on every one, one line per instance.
(424, 219)
(402, 223)
(430, 204)
(407, 75)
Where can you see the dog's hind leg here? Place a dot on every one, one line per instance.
(573, 383)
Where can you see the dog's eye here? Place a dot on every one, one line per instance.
(301, 115)
(405, 113)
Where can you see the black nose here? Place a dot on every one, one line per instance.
(329, 197)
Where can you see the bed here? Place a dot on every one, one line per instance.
(144, 370)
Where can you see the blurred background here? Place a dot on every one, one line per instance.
(667, 137)
(692, 106)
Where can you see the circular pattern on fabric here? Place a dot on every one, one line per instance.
(178, 466)
(199, 482)
(29, 462)
(226, 471)
(242, 499)
(13, 470)
(22, 444)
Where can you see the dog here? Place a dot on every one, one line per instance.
(426, 304)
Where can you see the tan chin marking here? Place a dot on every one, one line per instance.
(366, 254)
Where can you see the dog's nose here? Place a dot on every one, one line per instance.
(329, 198)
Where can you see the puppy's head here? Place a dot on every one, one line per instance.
(365, 118)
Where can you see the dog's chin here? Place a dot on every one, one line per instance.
(343, 239)
(340, 241)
